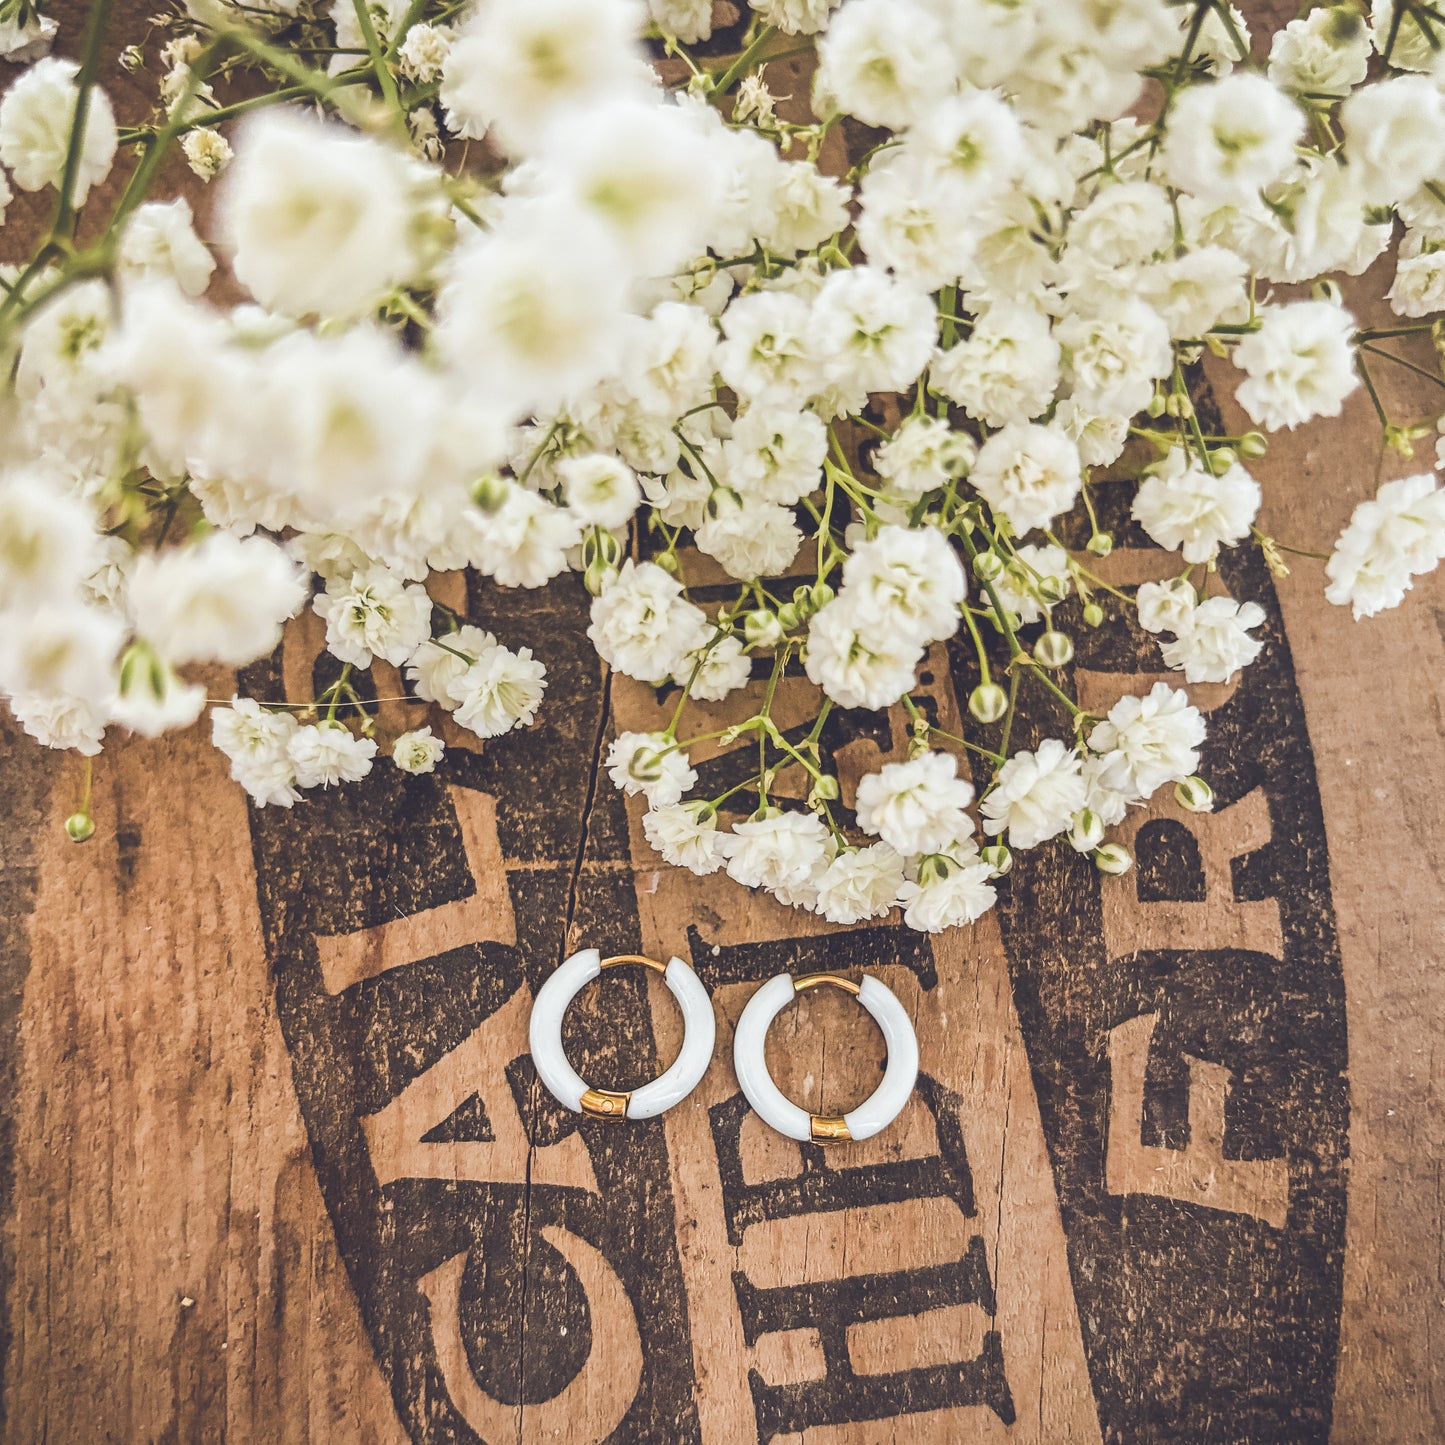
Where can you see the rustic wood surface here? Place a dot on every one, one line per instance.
(274, 1164)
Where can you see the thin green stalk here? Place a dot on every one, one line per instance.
(95, 27)
(745, 61)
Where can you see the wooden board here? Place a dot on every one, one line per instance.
(274, 1164)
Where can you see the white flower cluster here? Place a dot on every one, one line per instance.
(535, 289)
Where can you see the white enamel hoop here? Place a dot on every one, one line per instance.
(568, 1086)
(876, 1112)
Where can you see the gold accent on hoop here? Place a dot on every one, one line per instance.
(815, 980)
(605, 1104)
(617, 958)
(828, 1129)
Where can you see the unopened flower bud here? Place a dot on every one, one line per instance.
(1179, 406)
(1093, 614)
(998, 858)
(1053, 649)
(490, 493)
(988, 702)
(597, 575)
(1101, 544)
(1221, 459)
(1194, 795)
(1087, 831)
(1156, 405)
(788, 617)
(668, 562)
(822, 595)
(1113, 858)
(1053, 589)
(599, 543)
(80, 826)
(931, 868)
(1253, 445)
(988, 566)
(761, 629)
(826, 788)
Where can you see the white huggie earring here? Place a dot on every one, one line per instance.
(545, 1034)
(876, 1112)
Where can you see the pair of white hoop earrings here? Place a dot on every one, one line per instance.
(875, 1113)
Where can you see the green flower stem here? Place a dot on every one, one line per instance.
(997, 759)
(985, 675)
(1401, 361)
(384, 78)
(1075, 711)
(1373, 394)
(95, 27)
(999, 610)
(745, 61)
(334, 693)
(1008, 717)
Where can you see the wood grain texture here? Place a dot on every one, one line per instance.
(274, 1164)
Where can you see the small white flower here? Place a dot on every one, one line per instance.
(151, 699)
(650, 764)
(884, 61)
(643, 626)
(599, 489)
(207, 152)
(906, 582)
(1113, 359)
(1395, 535)
(776, 454)
(321, 218)
(424, 52)
(1227, 140)
(1392, 135)
(873, 332)
(1326, 52)
(1037, 575)
(916, 806)
(160, 239)
(439, 661)
(779, 851)
(501, 690)
(222, 599)
(257, 743)
(417, 751)
(1157, 735)
(57, 720)
(48, 541)
(1035, 794)
(853, 663)
(1006, 371)
(374, 613)
(686, 835)
(1029, 473)
(860, 883)
(35, 120)
(1214, 642)
(770, 353)
(756, 539)
(326, 753)
(1298, 365)
(954, 894)
(721, 668)
(1419, 285)
(1166, 606)
(1181, 506)
(517, 65)
(923, 454)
